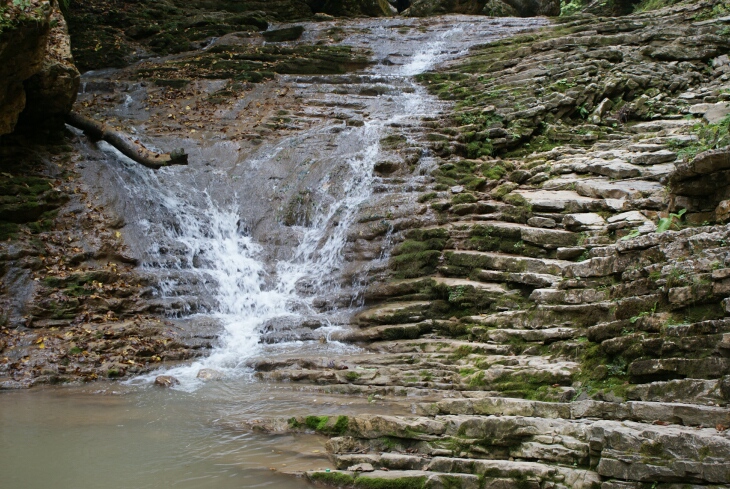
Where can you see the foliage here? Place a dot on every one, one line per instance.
(568, 8)
(19, 11)
(665, 223)
(709, 136)
(646, 5)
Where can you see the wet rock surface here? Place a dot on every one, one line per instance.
(552, 322)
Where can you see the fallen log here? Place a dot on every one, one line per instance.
(127, 146)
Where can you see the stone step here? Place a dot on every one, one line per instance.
(661, 125)
(658, 345)
(622, 449)
(647, 370)
(416, 479)
(531, 279)
(603, 188)
(646, 412)
(546, 315)
(713, 392)
(569, 296)
(457, 291)
(498, 231)
(442, 346)
(477, 260)
(542, 336)
(561, 201)
(384, 333)
(584, 221)
(519, 473)
(393, 313)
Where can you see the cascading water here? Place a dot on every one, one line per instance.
(196, 224)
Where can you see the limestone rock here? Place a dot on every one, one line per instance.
(722, 211)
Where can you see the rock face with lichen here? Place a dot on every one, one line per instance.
(37, 74)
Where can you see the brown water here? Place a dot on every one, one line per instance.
(115, 436)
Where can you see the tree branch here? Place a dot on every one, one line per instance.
(125, 144)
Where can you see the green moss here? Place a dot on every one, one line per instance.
(426, 197)
(652, 449)
(8, 230)
(516, 200)
(415, 264)
(393, 141)
(352, 376)
(461, 352)
(504, 189)
(317, 423)
(463, 198)
(451, 482)
(493, 171)
(341, 425)
(477, 381)
(336, 479)
(365, 482)
(419, 254)
(535, 386)
(476, 149)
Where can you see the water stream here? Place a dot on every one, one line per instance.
(214, 237)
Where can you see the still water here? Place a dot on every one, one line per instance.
(113, 436)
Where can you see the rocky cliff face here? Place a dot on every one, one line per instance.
(37, 73)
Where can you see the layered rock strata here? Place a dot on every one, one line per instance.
(549, 321)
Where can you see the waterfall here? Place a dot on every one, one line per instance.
(195, 225)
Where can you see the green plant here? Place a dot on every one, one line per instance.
(642, 314)
(709, 136)
(568, 8)
(665, 223)
(583, 111)
(456, 293)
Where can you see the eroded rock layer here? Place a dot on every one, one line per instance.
(550, 321)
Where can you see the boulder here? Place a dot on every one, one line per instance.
(207, 374)
(52, 91)
(166, 381)
(23, 44)
(37, 74)
(702, 184)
